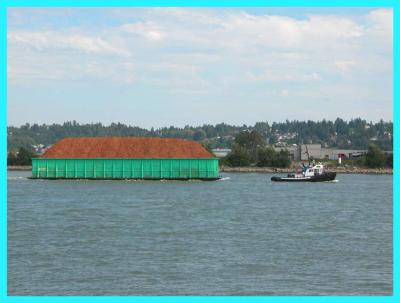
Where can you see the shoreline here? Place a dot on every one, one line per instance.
(339, 170)
(254, 169)
(19, 168)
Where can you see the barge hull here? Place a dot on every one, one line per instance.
(122, 169)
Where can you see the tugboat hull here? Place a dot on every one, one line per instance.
(324, 177)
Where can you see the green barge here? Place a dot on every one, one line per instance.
(147, 169)
(126, 158)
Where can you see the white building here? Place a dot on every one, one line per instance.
(221, 152)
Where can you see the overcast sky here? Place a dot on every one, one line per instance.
(177, 66)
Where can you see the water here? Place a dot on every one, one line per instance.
(240, 236)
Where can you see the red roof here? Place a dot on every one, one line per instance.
(126, 147)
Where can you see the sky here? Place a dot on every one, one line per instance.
(155, 67)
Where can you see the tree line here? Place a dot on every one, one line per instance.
(353, 134)
(250, 148)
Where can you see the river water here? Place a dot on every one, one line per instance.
(240, 236)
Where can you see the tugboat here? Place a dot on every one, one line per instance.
(310, 173)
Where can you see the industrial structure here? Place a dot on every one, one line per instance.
(126, 158)
(299, 152)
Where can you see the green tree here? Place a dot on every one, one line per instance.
(239, 156)
(389, 159)
(251, 141)
(374, 157)
(266, 157)
(24, 157)
(199, 135)
(11, 159)
(283, 159)
(269, 157)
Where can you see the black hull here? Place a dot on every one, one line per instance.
(328, 176)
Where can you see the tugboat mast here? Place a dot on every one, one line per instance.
(308, 155)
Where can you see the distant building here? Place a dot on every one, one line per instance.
(221, 152)
(299, 152)
(294, 151)
(335, 154)
(315, 151)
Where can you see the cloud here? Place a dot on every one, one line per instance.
(215, 55)
(381, 22)
(284, 76)
(344, 66)
(149, 31)
(287, 33)
(45, 40)
(231, 35)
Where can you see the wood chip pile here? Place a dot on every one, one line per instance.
(126, 147)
